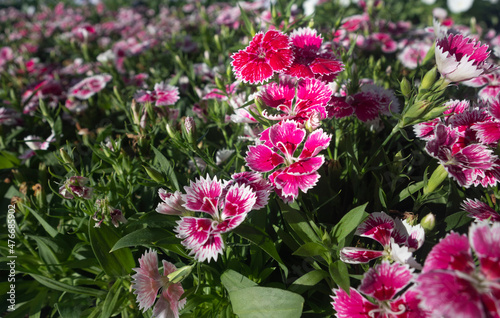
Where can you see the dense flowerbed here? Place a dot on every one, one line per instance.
(251, 159)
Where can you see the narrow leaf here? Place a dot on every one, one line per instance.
(53, 284)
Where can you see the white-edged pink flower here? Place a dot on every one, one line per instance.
(460, 58)
(148, 281)
(267, 53)
(398, 238)
(296, 99)
(36, 143)
(451, 285)
(385, 284)
(278, 151)
(75, 187)
(89, 86)
(257, 183)
(10, 117)
(227, 208)
(172, 203)
(480, 211)
(162, 95)
(412, 55)
(311, 59)
(491, 82)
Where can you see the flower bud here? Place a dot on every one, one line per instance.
(65, 156)
(180, 274)
(428, 81)
(155, 175)
(428, 222)
(190, 130)
(405, 87)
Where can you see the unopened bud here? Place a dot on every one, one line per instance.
(170, 131)
(428, 222)
(428, 81)
(65, 156)
(190, 130)
(405, 87)
(180, 274)
(135, 113)
(155, 175)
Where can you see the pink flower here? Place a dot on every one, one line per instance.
(267, 53)
(227, 208)
(368, 104)
(311, 60)
(398, 238)
(36, 143)
(480, 211)
(452, 286)
(298, 100)
(75, 186)
(172, 203)
(89, 86)
(412, 55)
(490, 92)
(148, 281)
(460, 58)
(281, 141)
(382, 283)
(10, 117)
(163, 95)
(257, 183)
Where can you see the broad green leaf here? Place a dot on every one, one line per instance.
(298, 223)
(349, 222)
(53, 284)
(146, 236)
(8, 160)
(233, 280)
(47, 227)
(262, 240)
(111, 301)
(311, 249)
(306, 281)
(102, 239)
(340, 275)
(166, 168)
(257, 302)
(411, 189)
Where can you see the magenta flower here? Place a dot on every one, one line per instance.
(281, 141)
(257, 183)
(491, 83)
(75, 186)
(227, 208)
(163, 95)
(10, 117)
(480, 211)
(89, 86)
(412, 55)
(398, 237)
(311, 59)
(382, 283)
(460, 58)
(452, 286)
(368, 104)
(148, 281)
(267, 53)
(298, 100)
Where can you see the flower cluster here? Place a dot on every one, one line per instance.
(225, 203)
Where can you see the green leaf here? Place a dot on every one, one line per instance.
(349, 222)
(102, 239)
(8, 160)
(257, 302)
(262, 240)
(233, 280)
(456, 220)
(146, 237)
(111, 301)
(311, 249)
(340, 275)
(53, 284)
(298, 223)
(411, 189)
(308, 280)
(166, 168)
(48, 228)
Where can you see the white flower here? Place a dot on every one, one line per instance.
(457, 6)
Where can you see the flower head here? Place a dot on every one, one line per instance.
(148, 281)
(162, 95)
(267, 53)
(460, 58)
(75, 186)
(89, 86)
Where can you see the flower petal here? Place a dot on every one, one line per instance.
(357, 255)
(385, 280)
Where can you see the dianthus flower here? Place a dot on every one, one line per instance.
(311, 59)
(382, 283)
(163, 95)
(267, 53)
(227, 205)
(89, 86)
(451, 285)
(480, 211)
(280, 142)
(296, 99)
(75, 186)
(460, 58)
(148, 281)
(491, 82)
(398, 237)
